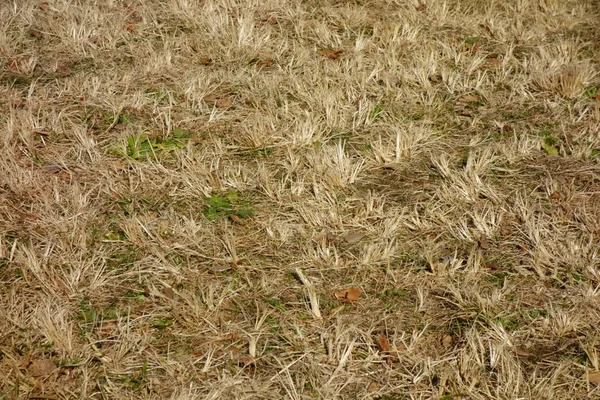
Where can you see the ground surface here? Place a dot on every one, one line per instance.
(299, 199)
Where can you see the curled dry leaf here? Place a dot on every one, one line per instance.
(386, 347)
(594, 377)
(332, 54)
(348, 295)
(41, 368)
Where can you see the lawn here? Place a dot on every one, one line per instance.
(319, 199)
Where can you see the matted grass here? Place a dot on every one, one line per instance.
(299, 199)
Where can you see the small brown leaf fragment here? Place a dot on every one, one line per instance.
(420, 7)
(594, 377)
(447, 341)
(353, 237)
(555, 196)
(237, 219)
(372, 387)
(475, 48)
(386, 347)
(206, 61)
(331, 54)
(36, 33)
(524, 352)
(384, 343)
(41, 368)
(483, 242)
(507, 128)
(348, 295)
(52, 168)
(224, 102)
(169, 293)
(247, 361)
(265, 63)
(26, 360)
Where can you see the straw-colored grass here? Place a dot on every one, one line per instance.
(293, 199)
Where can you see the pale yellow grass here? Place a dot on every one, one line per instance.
(185, 185)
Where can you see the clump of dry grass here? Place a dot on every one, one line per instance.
(318, 199)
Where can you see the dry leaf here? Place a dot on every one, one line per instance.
(237, 219)
(331, 54)
(524, 352)
(219, 268)
(447, 341)
(420, 7)
(483, 242)
(224, 102)
(386, 347)
(247, 361)
(265, 63)
(594, 377)
(169, 293)
(52, 168)
(348, 295)
(26, 360)
(353, 237)
(206, 61)
(41, 368)
(384, 343)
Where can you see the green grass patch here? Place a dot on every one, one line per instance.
(143, 146)
(229, 203)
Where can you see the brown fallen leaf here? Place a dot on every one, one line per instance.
(447, 341)
(483, 242)
(524, 352)
(331, 54)
(386, 347)
(223, 102)
(348, 295)
(353, 237)
(247, 361)
(41, 368)
(265, 63)
(420, 7)
(52, 168)
(206, 61)
(169, 293)
(26, 360)
(236, 219)
(594, 377)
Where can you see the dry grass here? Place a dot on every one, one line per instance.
(188, 187)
